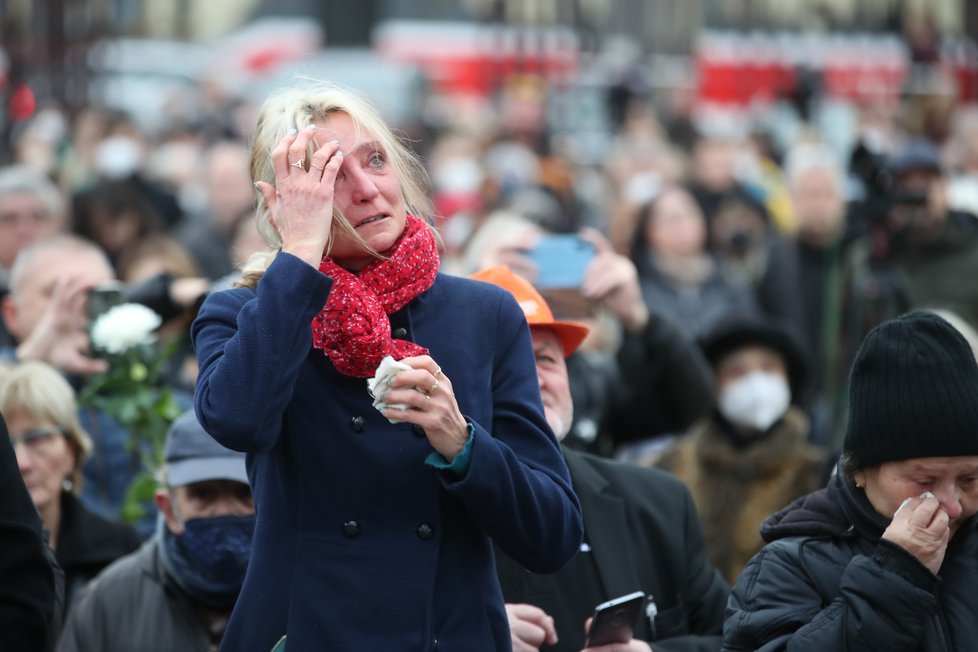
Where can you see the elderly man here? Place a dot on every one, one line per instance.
(177, 591)
(31, 208)
(641, 530)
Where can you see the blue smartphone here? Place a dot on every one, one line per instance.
(561, 260)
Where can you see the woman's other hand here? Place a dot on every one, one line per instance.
(428, 393)
(301, 201)
(921, 527)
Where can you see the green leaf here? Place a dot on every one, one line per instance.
(139, 494)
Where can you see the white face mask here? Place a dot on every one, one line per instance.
(756, 400)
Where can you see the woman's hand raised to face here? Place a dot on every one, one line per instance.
(428, 393)
(920, 526)
(301, 201)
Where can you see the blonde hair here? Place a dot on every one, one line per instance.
(296, 108)
(39, 390)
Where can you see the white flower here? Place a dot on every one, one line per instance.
(124, 326)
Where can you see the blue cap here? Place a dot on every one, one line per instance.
(192, 455)
(916, 154)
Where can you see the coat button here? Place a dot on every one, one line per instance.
(358, 423)
(351, 528)
(418, 430)
(400, 333)
(425, 531)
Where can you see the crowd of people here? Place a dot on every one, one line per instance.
(757, 403)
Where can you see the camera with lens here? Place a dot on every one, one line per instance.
(895, 193)
(164, 294)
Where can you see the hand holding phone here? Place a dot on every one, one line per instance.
(614, 620)
(102, 298)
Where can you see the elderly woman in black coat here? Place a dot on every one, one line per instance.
(886, 557)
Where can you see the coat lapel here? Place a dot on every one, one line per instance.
(605, 527)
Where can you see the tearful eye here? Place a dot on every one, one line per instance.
(376, 160)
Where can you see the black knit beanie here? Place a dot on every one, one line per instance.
(913, 392)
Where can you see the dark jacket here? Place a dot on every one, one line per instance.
(693, 307)
(360, 543)
(666, 384)
(87, 543)
(933, 271)
(826, 581)
(643, 533)
(133, 606)
(29, 576)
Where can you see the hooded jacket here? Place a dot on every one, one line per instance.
(827, 581)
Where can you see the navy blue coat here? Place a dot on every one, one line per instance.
(359, 544)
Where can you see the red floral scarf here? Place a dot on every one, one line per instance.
(353, 329)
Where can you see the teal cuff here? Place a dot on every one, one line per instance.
(458, 466)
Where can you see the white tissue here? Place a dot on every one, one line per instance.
(379, 386)
(922, 496)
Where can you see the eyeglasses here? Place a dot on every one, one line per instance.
(39, 439)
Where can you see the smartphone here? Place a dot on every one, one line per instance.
(561, 261)
(101, 298)
(614, 620)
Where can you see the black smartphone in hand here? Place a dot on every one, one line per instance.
(101, 298)
(614, 620)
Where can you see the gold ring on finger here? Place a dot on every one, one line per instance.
(427, 401)
(297, 164)
(317, 167)
(433, 387)
(438, 373)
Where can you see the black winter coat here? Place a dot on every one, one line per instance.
(30, 580)
(827, 582)
(87, 543)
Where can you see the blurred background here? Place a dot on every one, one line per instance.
(741, 56)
